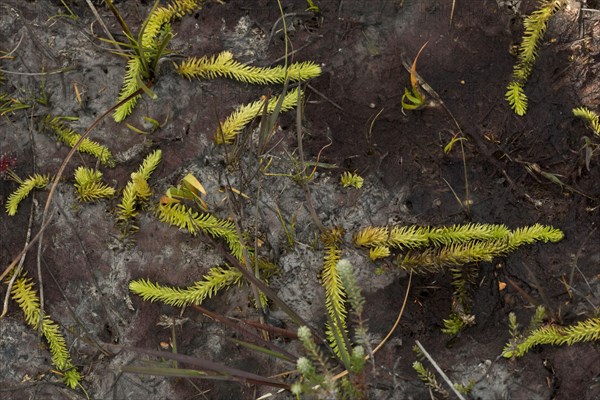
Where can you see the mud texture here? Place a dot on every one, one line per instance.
(352, 121)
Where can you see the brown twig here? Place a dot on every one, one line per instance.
(523, 293)
(333, 103)
(29, 225)
(59, 174)
(263, 287)
(271, 329)
(21, 262)
(45, 218)
(236, 326)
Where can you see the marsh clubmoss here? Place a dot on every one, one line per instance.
(69, 137)
(133, 74)
(335, 296)
(455, 248)
(148, 48)
(151, 45)
(195, 222)
(427, 249)
(216, 279)
(463, 278)
(414, 237)
(535, 26)
(89, 185)
(311, 377)
(378, 252)
(351, 179)
(320, 382)
(172, 212)
(223, 65)
(24, 294)
(357, 302)
(163, 15)
(429, 379)
(234, 124)
(335, 276)
(590, 117)
(520, 344)
(137, 191)
(453, 324)
(25, 187)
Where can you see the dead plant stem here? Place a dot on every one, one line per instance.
(119, 18)
(61, 170)
(285, 41)
(270, 293)
(523, 293)
(439, 370)
(29, 226)
(9, 54)
(26, 248)
(303, 177)
(79, 322)
(576, 258)
(540, 288)
(247, 260)
(467, 202)
(21, 262)
(257, 218)
(236, 325)
(40, 285)
(291, 53)
(333, 103)
(102, 24)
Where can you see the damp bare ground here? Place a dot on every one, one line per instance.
(352, 121)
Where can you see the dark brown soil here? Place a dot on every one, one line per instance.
(352, 119)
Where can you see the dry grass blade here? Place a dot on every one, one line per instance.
(413, 69)
(414, 99)
(227, 372)
(439, 370)
(236, 326)
(263, 287)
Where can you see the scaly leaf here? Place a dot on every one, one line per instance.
(89, 186)
(24, 294)
(591, 117)
(234, 124)
(516, 97)
(223, 65)
(26, 186)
